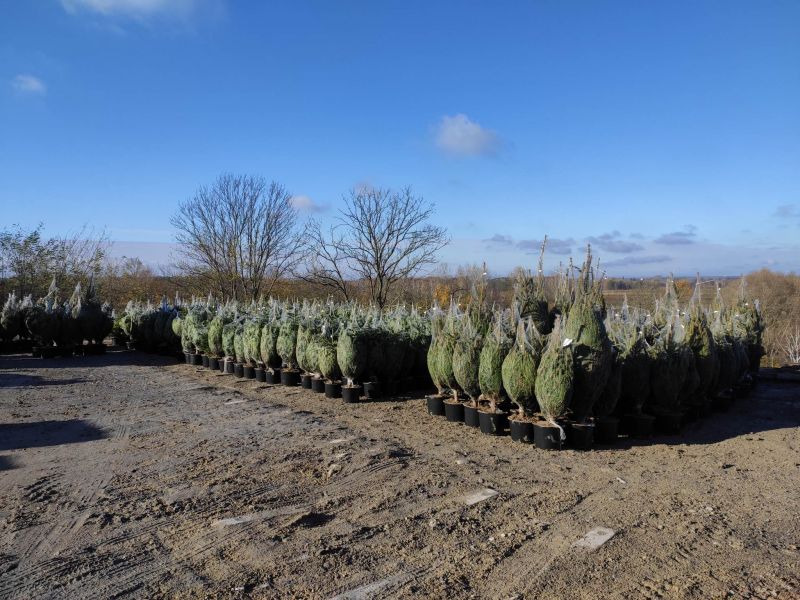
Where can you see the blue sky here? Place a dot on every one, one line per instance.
(667, 134)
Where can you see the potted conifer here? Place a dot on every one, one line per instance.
(554, 385)
(466, 368)
(592, 353)
(519, 378)
(287, 347)
(490, 377)
(352, 356)
(269, 346)
(435, 402)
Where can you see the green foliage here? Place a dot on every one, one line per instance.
(608, 400)
(269, 342)
(252, 340)
(668, 372)
(591, 345)
(238, 342)
(555, 375)
(701, 341)
(287, 338)
(466, 359)
(352, 353)
(519, 367)
(229, 338)
(495, 349)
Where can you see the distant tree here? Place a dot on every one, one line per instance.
(381, 236)
(29, 261)
(239, 235)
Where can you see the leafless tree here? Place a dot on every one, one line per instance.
(79, 254)
(790, 344)
(381, 236)
(239, 235)
(29, 261)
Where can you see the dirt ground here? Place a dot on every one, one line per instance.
(127, 475)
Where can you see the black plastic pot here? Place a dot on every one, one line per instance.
(213, 363)
(547, 436)
(454, 411)
(471, 418)
(290, 377)
(521, 431)
(373, 390)
(318, 385)
(272, 376)
(669, 423)
(305, 381)
(248, 372)
(639, 426)
(238, 369)
(261, 376)
(186, 356)
(230, 367)
(492, 423)
(351, 394)
(333, 389)
(435, 405)
(204, 360)
(606, 430)
(197, 359)
(580, 436)
(221, 364)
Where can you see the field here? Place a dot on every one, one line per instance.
(127, 475)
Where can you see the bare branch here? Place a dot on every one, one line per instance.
(381, 236)
(239, 236)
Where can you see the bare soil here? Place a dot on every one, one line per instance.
(128, 475)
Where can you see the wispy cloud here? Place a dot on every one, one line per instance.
(143, 10)
(787, 211)
(459, 136)
(638, 260)
(28, 84)
(612, 242)
(554, 246)
(307, 205)
(498, 238)
(678, 238)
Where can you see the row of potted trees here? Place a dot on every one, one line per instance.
(345, 350)
(575, 372)
(56, 326)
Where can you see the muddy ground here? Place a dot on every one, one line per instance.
(128, 475)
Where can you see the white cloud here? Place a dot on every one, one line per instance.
(306, 204)
(459, 136)
(141, 9)
(28, 84)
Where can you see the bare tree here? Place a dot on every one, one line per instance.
(80, 254)
(381, 236)
(239, 235)
(790, 344)
(325, 262)
(29, 261)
